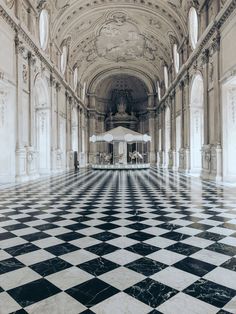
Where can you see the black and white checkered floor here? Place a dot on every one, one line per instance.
(118, 242)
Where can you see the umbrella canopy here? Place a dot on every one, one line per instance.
(120, 134)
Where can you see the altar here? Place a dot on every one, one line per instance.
(125, 149)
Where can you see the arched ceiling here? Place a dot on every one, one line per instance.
(109, 34)
(108, 88)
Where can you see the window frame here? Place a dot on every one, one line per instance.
(193, 27)
(44, 33)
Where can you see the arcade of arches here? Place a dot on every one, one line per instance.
(71, 69)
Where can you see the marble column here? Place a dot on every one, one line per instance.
(206, 149)
(152, 133)
(21, 154)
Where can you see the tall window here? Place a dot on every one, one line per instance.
(63, 59)
(43, 29)
(166, 77)
(84, 91)
(193, 27)
(158, 90)
(75, 78)
(176, 58)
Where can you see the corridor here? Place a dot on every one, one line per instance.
(105, 242)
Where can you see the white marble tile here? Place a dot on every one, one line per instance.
(156, 231)
(7, 304)
(223, 276)
(85, 242)
(11, 242)
(122, 242)
(160, 242)
(69, 278)
(25, 231)
(229, 241)
(78, 257)
(223, 231)
(231, 306)
(18, 278)
(4, 255)
(57, 231)
(185, 304)
(189, 231)
(122, 278)
(175, 278)
(60, 303)
(166, 257)
(198, 242)
(123, 231)
(121, 303)
(90, 231)
(210, 257)
(122, 257)
(34, 257)
(47, 242)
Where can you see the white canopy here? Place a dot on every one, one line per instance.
(120, 134)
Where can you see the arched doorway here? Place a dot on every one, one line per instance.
(229, 129)
(42, 125)
(196, 124)
(167, 136)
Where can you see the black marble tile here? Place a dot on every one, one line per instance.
(35, 236)
(183, 248)
(230, 264)
(210, 236)
(107, 226)
(105, 236)
(210, 292)
(176, 236)
(140, 236)
(77, 226)
(151, 292)
(15, 227)
(98, 266)
(46, 226)
(222, 248)
(200, 226)
(6, 236)
(194, 266)
(62, 248)
(169, 226)
(142, 248)
(33, 292)
(138, 226)
(22, 249)
(102, 249)
(50, 266)
(10, 264)
(146, 266)
(92, 292)
(22, 311)
(70, 236)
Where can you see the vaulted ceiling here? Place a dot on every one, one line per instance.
(105, 35)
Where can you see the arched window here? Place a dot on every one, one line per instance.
(158, 90)
(75, 78)
(166, 77)
(193, 27)
(63, 59)
(84, 91)
(176, 58)
(43, 29)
